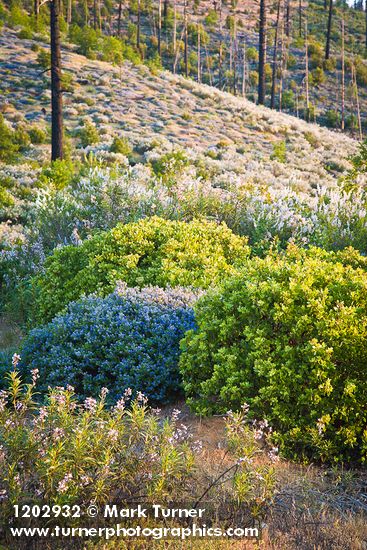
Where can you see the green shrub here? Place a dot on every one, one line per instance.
(59, 173)
(169, 166)
(289, 337)
(25, 34)
(152, 251)
(44, 58)
(317, 77)
(88, 134)
(333, 118)
(121, 145)
(279, 151)
(12, 142)
(37, 135)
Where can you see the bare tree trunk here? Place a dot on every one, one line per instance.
(138, 27)
(186, 41)
(307, 73)
(288, 18)
(208, 65)
(159, 27)
(275, 54)
(118, 19)
(199, 57)
(262, 52)
(68, 13)
(244, 70)
(36, 7)
(283, 64)
(235, 55)
(56, 86)
(343, 78)
(174, 33)
(355, 86)
(95, 14)
(328, 34)
(220, 44)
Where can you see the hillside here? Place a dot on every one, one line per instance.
(236, 138)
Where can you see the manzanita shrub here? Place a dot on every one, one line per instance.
(128, 339)
(289, 336)
(152, 251)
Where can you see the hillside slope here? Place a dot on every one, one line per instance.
(237, 137)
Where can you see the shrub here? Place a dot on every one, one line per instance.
(288, 336)
(88, 134)
(37, 135)
(59, 173)
(168, 166)
(121, 145)
(44, 58)
(12, 142)
(279, 151)
(152, 251)
(130, 339)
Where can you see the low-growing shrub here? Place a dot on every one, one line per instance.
(128, 339)
(121, 145)
(152, 251)
(88, 134)
(289, 336)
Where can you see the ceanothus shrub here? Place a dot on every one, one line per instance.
(289, 337)
(152, 251)
(127, 339)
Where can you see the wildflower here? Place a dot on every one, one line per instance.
(245, 460)
(58, 433)
(90, 404)
(113, 435)
(104, 393)
(128, 392)
(273, 454)
(175, 414)
(141, 398)
(15, 360)
(64, 483)
(35, 375)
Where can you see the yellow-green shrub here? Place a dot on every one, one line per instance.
(152, 251)
(288, 336)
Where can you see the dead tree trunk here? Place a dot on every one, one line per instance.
(343, 80)
(118, 19)
(262, 53)
(328, 33)
(56, 84)
(138, 27)
(159, 27)
(307, 73)
(275, 57)
(186, 53)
